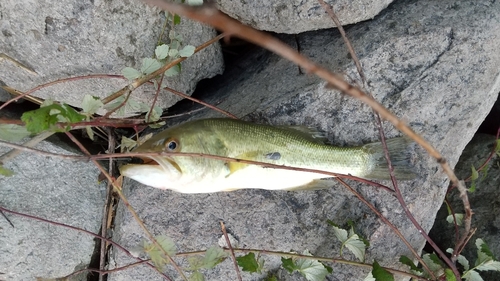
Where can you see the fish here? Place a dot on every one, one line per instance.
(293, 146)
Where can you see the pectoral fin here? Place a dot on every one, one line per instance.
(313, 185)
(252, 156)
(236, 166)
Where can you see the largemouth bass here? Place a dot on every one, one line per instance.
(288, 146)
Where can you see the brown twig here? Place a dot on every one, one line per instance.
(118, 246)
(231, 251)
(350, 48)
(107, 206)
(210, 15)
(378, 120)
(299, 256)
(101, 271)
(129, 207)
(29, 92)
(229, 114)
(388, 223)
(138, 82)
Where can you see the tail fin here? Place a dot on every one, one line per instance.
(400, 159)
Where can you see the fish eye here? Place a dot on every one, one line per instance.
(172, 145)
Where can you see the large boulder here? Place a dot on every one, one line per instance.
(59, 190)
(299, 16)
(73, 38)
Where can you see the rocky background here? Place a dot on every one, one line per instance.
(434, 64)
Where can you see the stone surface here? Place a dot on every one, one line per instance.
(435, 70)
(74, 38)
(485, 203)
(59, 190)
(300, 15)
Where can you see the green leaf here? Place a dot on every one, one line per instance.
(472, 275)
(356, 246)
(176, 42)
(177, 19)
(475, 174)
(161, 51)
(489, 265)
(157, 254)
(46, 117)
(196, 276)
(407, 261)
(433, 262)
(271, 278)
(167, 244)
(91, 104)
(458, 217)
(312, 270)
(12, 132)
(288, 264)
(195, 263)
(351, 241)
(5, 172)
(127, 144)
(187, 51)
(380, 273)
(481, 245)
(173, 71)
(213, 256)
(249, 263)
(131, 73)
(340, 233)
(154, 115)
(461, 259)
(157, 125)
(150, 65)
(90, 132)
(497, 147)
(71, 115)
(474, 177)
(450, 276)
(173, 53)
(176, 39)
(483, 252)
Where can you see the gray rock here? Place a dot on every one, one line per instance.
(59, 190)
(298, 16)
(484, 203)
(74, 38)
(435, 70)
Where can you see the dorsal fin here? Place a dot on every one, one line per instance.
(309, 133)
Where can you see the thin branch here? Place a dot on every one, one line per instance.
(103, 272)
(129, 207)
(210, 15)
(398, 193)
(388, 223)
(20, 95)
(138, 82)
(299, 256)
(350, 48)
(231, 251)
(118, 246)
(229, 114)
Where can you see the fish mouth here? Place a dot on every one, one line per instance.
(156, 171)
